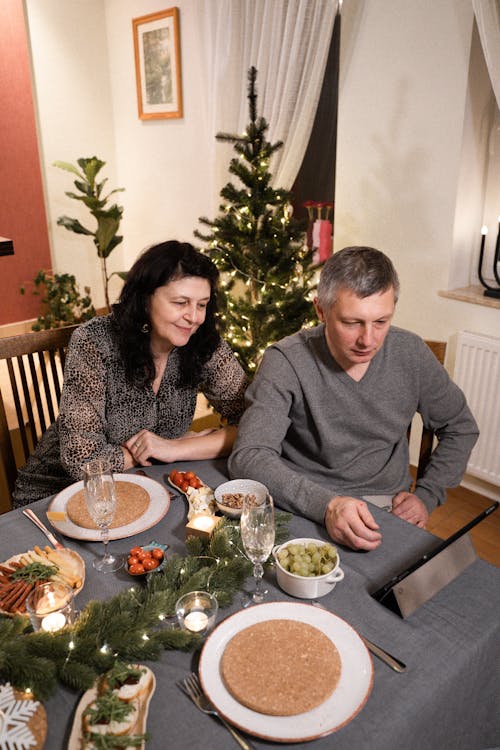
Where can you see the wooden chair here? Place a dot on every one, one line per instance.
(427, 440)
(35, 365)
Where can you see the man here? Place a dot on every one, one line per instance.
(328, 411)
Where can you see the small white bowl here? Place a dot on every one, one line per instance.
(305, 587)
(242, 487)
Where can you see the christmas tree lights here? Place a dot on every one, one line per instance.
(266, 267)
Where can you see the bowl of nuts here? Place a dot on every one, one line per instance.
(229, 495)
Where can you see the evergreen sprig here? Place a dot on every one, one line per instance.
(132, 626)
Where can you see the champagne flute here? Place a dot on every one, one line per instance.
(257, 535)
(100, 497)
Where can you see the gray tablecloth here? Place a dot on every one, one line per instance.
(446, 700)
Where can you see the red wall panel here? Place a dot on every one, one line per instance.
(22, 208)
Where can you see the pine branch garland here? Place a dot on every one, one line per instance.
(131, 625)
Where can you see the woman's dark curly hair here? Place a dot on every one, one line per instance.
(167, 261)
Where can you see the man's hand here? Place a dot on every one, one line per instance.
(409, 507)
(349, 522)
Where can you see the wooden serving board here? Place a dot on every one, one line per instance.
(75, 739)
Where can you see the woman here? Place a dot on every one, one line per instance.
(131, 378)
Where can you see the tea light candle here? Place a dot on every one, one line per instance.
(53, 622)
(202, 525)
(195, 621)
(50, 606)
(196, 611)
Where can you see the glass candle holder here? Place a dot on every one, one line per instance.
(197, 611)
(50, 606)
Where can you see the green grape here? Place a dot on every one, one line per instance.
(308, 560)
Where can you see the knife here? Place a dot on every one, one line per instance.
(385, 656)
(29, 514)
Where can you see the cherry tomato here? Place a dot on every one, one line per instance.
(150, 564)
(189, 475)
(175, 477)
(184, 485)
(136, 570)
(132, 560)
(196, 483)
(157, 554)
(135, 551)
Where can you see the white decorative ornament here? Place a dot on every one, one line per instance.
(14, 717)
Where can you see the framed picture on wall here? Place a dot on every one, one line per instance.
(158, 64)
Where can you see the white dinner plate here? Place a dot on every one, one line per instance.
(346, 701)
(157, 509)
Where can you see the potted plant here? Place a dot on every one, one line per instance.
(90, 193)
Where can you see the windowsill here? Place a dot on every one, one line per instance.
(473, 294)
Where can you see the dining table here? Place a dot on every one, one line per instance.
(446, 699)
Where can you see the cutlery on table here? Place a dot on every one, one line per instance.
(385, 656)
(52, 539)
(192, 688)
(396, 664)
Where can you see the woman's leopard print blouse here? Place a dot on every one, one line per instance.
(99, 410)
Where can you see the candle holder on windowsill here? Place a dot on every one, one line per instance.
(490, 291)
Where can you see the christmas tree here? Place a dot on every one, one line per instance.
(259, 247)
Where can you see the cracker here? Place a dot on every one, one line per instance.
(132, 501)
(281, 667)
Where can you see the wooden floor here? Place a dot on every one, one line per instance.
(460, 507)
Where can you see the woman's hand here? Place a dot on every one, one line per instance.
(146, 445)
(192, 446)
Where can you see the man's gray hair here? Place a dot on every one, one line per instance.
(362, 270)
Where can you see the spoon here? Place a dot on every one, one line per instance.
(396, 664)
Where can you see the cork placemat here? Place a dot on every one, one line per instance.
(281, 667)
(132, 501)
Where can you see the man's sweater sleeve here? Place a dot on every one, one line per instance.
(444, 409)
(257, 451)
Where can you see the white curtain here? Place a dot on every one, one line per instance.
(487, 14)
(287, 41)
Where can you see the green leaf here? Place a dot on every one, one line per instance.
(122, 274)
(106, 234)
(67, 167)
(73, 225)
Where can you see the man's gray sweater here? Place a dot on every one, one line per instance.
(311, 432)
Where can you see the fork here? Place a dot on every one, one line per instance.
(192, 688)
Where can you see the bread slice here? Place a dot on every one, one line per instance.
(129, 682)
(116, 727)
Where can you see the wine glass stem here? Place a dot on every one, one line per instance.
(258, 572)
(105, 540)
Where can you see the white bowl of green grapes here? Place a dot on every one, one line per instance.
(307, 568)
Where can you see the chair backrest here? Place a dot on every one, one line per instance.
(439, 350)
(35, 366)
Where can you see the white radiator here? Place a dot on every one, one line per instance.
(477, 372)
